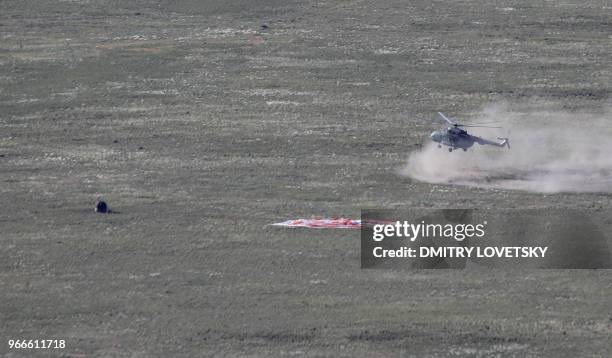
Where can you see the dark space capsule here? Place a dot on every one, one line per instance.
(101, 207)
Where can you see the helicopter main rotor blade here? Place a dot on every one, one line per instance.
(469, 125)
(480, 123)
(446, 119)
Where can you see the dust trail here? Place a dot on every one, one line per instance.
(550, 152)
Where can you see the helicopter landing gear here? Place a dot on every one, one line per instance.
(465, 149)
(450, 150)
(439, 146)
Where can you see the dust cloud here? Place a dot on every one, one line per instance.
(551, 151)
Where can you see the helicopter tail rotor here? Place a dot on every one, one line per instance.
(505, 142)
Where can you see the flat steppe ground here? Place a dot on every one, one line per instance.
(202, 122)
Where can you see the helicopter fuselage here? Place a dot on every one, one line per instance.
(454, 138)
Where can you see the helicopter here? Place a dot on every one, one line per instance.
(455, 137)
